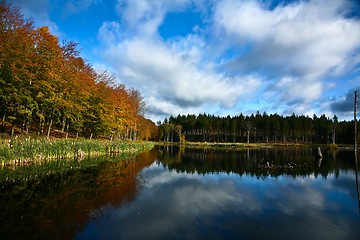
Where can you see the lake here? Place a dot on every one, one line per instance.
(189, 193)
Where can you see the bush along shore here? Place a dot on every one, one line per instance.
(18, 151)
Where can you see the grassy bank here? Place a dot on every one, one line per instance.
(29, 151)
(256, 145)
(233, 145)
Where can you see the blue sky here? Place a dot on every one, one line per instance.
(218, 57)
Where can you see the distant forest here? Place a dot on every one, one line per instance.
(257, 128)
(46, 85)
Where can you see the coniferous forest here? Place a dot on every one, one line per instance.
(258, 128)
(46, 85)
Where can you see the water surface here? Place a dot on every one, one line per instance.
(172, 193)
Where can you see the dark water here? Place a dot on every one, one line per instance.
(172, 193)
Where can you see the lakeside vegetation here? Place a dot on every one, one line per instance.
(20, 151)
(247, 146)
(33, 172)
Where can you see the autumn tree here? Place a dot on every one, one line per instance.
(47, 84)
(16, 50)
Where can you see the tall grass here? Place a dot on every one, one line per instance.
(22, 151)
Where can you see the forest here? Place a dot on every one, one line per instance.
(257, 128)
(45, 85)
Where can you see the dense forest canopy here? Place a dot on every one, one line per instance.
(45, 84)
(257, 128)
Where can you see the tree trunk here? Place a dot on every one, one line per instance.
(118, 135)
(3, 119)
(67, 131)
(355, 124)
(12, 129)
(39, 130)
(135, 132)
(27, 126)
(49, 129)
(63, 124)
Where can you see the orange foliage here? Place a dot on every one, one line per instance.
(42, 82)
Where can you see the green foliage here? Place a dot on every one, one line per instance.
(258, 128)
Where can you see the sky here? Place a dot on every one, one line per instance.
(218, 57)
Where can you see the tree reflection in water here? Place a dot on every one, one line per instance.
(177, 193)
(356, 178)
(247, 161)
(57, 206)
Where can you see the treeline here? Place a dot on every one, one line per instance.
(257, 128)
(45, 84)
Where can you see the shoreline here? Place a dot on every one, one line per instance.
(18, 152)
(256, 145)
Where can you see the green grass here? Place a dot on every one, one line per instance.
(29, 151)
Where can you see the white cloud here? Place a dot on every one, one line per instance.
(304, 41)
(298, 89)
(294, 47)
(145, 16)
(243, 18)
(110, 32)
(173, 76)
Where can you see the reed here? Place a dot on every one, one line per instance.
(19, 151)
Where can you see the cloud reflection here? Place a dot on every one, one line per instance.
(193, 206)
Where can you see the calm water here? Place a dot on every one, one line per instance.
(172, 193)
